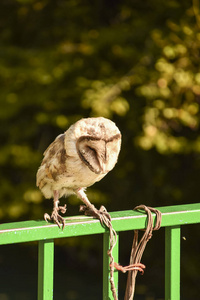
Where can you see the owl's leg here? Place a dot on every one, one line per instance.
(55, 217)
(90, 210)
(82, 195)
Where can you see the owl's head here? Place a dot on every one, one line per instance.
(97, 142)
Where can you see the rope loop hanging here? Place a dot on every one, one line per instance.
(137, 250)
(139, 247)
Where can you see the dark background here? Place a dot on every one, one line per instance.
(135, 62)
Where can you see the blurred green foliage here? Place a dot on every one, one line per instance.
(136, 62)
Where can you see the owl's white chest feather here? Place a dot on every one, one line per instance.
(77, 175)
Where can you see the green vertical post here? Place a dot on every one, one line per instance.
(45, 269)
(172, 262)
(107, 294)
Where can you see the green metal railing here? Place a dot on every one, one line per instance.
(172, 219)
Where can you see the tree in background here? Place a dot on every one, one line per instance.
(134, 62)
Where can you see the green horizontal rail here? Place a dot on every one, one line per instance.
(27, 231)
(173, 217)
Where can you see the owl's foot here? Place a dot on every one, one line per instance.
(101, 214)
(55, 217)
(89, 211)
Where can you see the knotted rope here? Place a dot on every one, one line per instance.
(137, 247)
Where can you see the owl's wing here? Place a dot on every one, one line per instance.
(53, 163)
(55, 146)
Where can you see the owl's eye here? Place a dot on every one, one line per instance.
(89, 154)
(92, 150)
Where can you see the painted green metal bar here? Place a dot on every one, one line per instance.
(28, 231)
(45, 269)
(172, 262)
(107, 294)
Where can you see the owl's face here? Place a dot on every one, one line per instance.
(98, 143)
(100, 155)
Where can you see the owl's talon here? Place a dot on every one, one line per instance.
(55, 217)
(89, 211)
(59, 221)
(47, 217)
(63, 209)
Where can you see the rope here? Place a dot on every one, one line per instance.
(105, 220)
(137, 248)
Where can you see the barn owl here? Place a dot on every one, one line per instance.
(77, 159)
